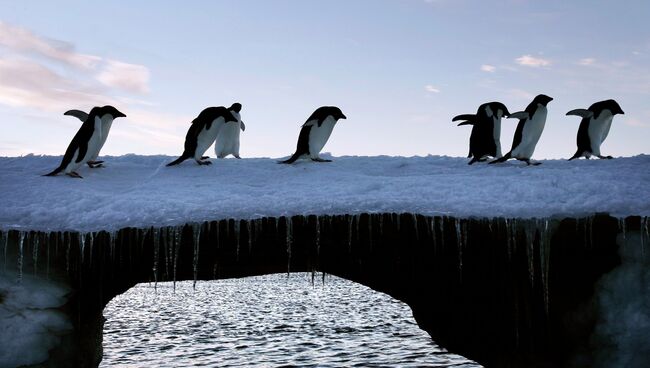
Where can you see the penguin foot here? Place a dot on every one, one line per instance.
(95, 166)
(94, 162)
(204, 162)
(237, 157)
(74, 175)
(532, 163)
(318, 159)
(205, 157)
(605, 157)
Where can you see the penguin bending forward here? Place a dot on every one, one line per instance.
(87, 142)
(107, 122)
(228, 139)
(485, 138)
(594, 127)
(315, 133)
(529, 130)
(202, 134)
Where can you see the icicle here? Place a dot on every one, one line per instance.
(349, 232)
(397, 223)
(20, 256)
(369, 237)
(434, 241)
(317, 237)
(289, 240)
(5, 239)
(415, 227)
(196, 233)
(441, 225)
(250, 236)
(544, 248)
(643, 231)
(67, 240)
(530, 239)
(508, 239)
(82, 245)
(236, 226)
(35, 254)
(113, 240)
(459, 241)
(156, 252)
(91, 241)
(177, 246)
(357, 219)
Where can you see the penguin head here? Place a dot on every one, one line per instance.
(110, 110)
(495, 109)
(335, 112)
(542, 99)
(236, 107)
(608, 105)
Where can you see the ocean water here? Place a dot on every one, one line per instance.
(266, 321)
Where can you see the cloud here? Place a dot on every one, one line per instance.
(23, 41)
(488, 68)
(432, 89)
(520, 94)
(25, 83)
(587, 61)
(531, 61)
(634, 122)
(125, 76)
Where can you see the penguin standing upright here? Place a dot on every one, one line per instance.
(529, 130)
(315, 133)
(202, 134)
(107, 122)
(485, 138)
(86, 143)
(594, 127)
(228, 139)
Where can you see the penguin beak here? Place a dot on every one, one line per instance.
(343, 116)
(620, 111)
(120, 115)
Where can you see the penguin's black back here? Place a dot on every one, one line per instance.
(321, 113)
(78, 142)
(204, 120)
(582, 140)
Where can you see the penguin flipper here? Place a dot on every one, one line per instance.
(521, 115)
(243, 127)
(466, 123)
(583, 113)
(470, 117)
(77, 114)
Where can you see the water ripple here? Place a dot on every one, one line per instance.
(264, 321)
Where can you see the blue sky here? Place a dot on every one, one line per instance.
(399, 69)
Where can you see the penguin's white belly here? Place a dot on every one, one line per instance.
(598, 130)
(496, 134)
(318, 136)
(207, 137)
(106, 127)
(228, 140)
(531, 133)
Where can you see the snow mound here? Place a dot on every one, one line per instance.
(140, 191)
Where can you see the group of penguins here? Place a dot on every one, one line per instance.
(221, 126)
(484, 141)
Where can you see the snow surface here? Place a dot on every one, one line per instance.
(140, 191)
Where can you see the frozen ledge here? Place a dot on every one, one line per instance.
(139, 191)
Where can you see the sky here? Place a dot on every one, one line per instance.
(399, 70)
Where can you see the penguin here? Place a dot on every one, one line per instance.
(202, 133)
(315, 132)
(86, 143)
(594, 127)
(485, 138)
(107, 121)
(228, 139)
(529, 130)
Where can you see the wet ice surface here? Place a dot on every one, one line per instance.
(266, 321)
(139, 191)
